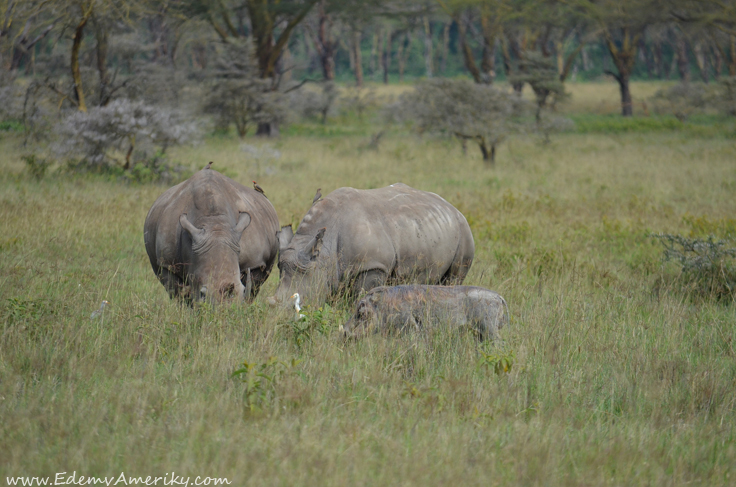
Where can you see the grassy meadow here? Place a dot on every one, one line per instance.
(618, 375)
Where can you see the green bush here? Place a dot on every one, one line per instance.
(708, 265)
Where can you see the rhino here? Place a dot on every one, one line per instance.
(354, 240)
(210, 238)
(414, 307)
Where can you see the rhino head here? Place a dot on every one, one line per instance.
(213, 272)
(298, 269)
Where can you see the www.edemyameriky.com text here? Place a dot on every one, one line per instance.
(169, 479)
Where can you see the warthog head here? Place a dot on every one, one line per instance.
(214, 271)
(298, 271)
(365, 319)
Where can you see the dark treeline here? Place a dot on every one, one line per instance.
(91, 51)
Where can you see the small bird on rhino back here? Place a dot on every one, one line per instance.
(317, 196)
(208, 166)
(258, 188)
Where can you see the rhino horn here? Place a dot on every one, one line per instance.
(243, 222)
(285, 235)
(196, 233)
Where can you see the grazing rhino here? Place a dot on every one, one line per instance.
(211, 238)
(359, 239)
(401, 308)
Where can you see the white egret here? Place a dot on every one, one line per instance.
(297, 315)
(98, 312)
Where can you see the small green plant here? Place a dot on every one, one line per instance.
(261, 382)
(708, 265)
(318, 320)
(430, 396)
(36, 166)
(500, 361)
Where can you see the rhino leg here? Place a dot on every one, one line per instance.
(367, 280)
(172, 282)
(258, 276)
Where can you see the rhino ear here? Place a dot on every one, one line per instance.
(316, 244)
(243, 223)
(196, 233)
(285, 235)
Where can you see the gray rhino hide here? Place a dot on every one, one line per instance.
(394, 234)
(207, 247)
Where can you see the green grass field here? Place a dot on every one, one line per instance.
(618, 375)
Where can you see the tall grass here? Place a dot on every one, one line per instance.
(618, 377)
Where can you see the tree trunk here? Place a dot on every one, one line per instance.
(357, 58)
(717, 61)
(586, 60)
(445, 46)
(627, 108)
(76, 74)
(374, 51)
(489, 153)
(428, 46)
(488, 60)
(325, 44)
(24, 45)
(386, 55)
(732, 57)
(268, 129)
(402, 53)
(508, 64)
(657, 61)
(623, 58)
(701, 60)
(467, 52)
(102, 34)
(683, 63)
(647, 55)
(268, 46)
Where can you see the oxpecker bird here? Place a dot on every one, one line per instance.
(317, 196)
(208, 166)
(258, 188)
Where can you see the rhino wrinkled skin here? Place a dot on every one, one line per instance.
(359, 239)
(403, 308)
(211, 238)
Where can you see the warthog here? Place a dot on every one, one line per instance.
(211, 238)
(401, 308)
(359, 239)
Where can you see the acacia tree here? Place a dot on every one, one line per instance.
(469, 111)
(269, 25)
(622, 24)
(490, 15)
(713, 20)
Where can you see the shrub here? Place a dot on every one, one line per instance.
(726, 98)
(681, 100)
(315, 103)
(120, 134)
(708, 265)
(36, 166)
(479, 113)
(11, 99)
(239, 95)
(541, 74)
